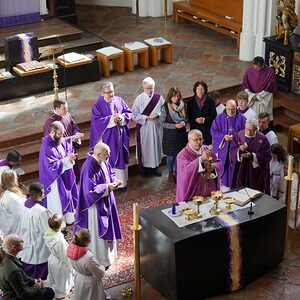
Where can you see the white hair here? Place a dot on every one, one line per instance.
(106, 85)
(253, 122)
(148, 80)
(194, 131)
(100, 146)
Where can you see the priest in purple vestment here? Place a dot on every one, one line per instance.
(260, 84)
(197, 173)
(253, 154)
(56, 162)
(96, 208)
(60, 113)
(223, 129)
(109, 123)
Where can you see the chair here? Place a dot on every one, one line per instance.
(130, 49)
(107, 54)
(160, 44)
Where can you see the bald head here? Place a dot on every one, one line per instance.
(12, 244)
(101, 152)
(231, 108)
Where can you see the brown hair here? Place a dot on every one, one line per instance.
(9, 182)
(173, 91)
(242, 95)
(82, 237)
(263, 115)
(55, 222)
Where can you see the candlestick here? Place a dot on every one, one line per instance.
(135, 216)
(290, 166)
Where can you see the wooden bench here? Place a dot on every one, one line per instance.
(223, 16)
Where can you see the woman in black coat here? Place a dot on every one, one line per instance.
(201, 111)
(173, 119)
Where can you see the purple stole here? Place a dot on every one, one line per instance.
(147, 111)
(4, 163)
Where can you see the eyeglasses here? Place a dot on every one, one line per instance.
(196, 140)
(109, 92)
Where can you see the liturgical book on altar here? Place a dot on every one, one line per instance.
(243, 196)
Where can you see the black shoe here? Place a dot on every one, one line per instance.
(156, 172)
(143, 172)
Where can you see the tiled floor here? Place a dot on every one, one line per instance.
(199, 54)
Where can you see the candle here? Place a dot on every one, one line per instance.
(135, 216)
(290, 167)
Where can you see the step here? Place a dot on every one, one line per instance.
(282, 122)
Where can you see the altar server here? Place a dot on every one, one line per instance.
(223, 129)
(88, 279)
(243, 108)
(96, 209)
(11, 203)
(198, 169)
(263, 123)
(12, 161)
(34, 222)
(56, 162)
(60, 270)
(110, 124)
(145, 112)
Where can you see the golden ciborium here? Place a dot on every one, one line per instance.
(217, 196)
(198, 200)
(229, 200)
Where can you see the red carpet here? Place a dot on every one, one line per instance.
(122, 269)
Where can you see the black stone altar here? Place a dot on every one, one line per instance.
(280, 57)
(191, 262)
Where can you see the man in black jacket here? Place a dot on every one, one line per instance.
(14, 283)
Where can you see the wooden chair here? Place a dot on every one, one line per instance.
(160, 44)
(130, 49)
(107, 54)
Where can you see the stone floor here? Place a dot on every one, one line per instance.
(199, 54)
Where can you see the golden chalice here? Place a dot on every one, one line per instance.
(198, 200)
(217, 196)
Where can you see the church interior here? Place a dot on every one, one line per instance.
(198, 53)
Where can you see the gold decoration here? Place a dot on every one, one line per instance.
(278, 63)
(217, 196)
(126, 292)
(287, 20)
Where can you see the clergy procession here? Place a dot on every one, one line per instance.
(65, 228)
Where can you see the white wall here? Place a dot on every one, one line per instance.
(121, 3)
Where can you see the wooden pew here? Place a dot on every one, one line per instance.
(223, 16)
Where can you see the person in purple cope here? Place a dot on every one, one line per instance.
(96, 208)
(260, 84)
(109, 124)
(60, 113)
(198, 169)
(253, 154)
(34, 222)
(223, 129)
(56, 162)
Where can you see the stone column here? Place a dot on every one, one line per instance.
(152, 8)
(247, 39)
(43, 7)
(262, 19)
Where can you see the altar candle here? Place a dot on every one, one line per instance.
(135, 216)
(290, 167)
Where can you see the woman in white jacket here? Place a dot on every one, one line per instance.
(60, 271)
(11, 203)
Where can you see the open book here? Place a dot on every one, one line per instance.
(243, 196)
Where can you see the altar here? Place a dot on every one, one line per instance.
(195, 261)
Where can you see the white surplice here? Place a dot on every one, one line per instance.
(151, 131)
(276, 175)
(250, 114)
(88, 283)
(34, 222)
(60, 270)
(11, 208)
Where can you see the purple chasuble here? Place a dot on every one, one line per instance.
(147, 111)
(254, 178)
(116, 137)
(221, 126)
(190, 182)
(67, 120)
(4, 163)
(258, 81)
(51, 169)
(93, 182)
